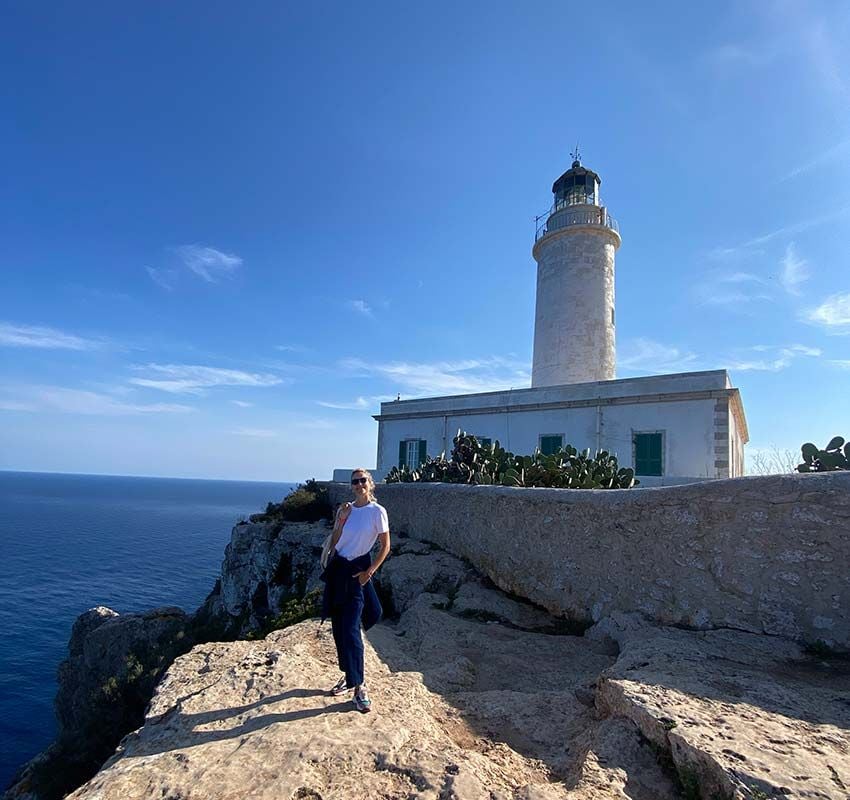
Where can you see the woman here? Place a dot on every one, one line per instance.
(349, 598)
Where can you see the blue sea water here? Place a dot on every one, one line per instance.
(71, 542)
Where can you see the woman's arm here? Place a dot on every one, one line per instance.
(341, 516)
(366, 575)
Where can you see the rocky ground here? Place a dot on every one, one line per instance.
(480, 695)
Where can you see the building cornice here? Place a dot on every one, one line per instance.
(590, 402)
(737, 406)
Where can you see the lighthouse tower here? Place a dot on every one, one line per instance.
(574, 249)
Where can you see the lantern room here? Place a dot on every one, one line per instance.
(577, 186)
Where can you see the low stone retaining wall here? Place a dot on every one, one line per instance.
(763, 554)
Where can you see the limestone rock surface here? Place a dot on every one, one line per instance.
(253, 720)
(741, 715)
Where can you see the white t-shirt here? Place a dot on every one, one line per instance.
(361, 530)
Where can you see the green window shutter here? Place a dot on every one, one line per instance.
(648, 454)
(402, 449)
(422, 454)
(550, 444)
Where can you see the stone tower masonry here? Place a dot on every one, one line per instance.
(574, 317)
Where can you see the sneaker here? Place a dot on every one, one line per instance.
(339, 687)
(361, 700)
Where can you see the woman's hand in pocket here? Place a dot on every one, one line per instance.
(364, 577)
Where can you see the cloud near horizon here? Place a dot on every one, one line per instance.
(65, 400)
(196, 379)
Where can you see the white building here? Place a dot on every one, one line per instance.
(670, 428)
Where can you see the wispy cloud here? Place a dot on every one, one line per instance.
(359, 404)
(825, 49)
(12, 335)
(361, 307)
(844, 363)
(67, 400)
(833, 314)
(210, 264)
(242, 403)
(16, 405)
(445, 377)
(315, 423)
(823, 158)
(795, 271)
(768, 358)
(256, 433)
(791, 229)
(195, 379)
(808, 41)
(741, 289)
(742, 277)
(732, 289)
(293, 348)
(733, 55)
(647, 356)
(164, 278)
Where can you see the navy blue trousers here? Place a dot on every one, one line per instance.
(345, 622)
(349, 605)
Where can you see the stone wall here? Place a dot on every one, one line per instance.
(763, 554)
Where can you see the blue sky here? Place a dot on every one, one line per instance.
(227, 231)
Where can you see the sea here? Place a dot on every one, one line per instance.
(72, 542)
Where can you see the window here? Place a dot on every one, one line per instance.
(649, 449)
(551, 442)
(411, 453)
(484, 441)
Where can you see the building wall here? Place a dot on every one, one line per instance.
(573, 322)
(763, 554)
(688, 426)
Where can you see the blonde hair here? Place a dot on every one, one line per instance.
(370, 483)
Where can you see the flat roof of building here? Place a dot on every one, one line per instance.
(622, 391)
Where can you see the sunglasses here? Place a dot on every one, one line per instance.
(358, 481)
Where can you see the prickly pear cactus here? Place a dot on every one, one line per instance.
(491, 465)
(836, 455)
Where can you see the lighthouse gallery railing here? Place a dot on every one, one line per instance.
(559, 216)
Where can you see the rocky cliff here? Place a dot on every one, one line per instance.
(477, 694)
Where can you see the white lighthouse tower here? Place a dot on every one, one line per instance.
(574, 318)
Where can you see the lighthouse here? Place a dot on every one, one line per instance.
(575, 245)
(679, 428)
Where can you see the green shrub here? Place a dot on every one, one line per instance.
(474, 463)
(292, 611)
(307, 502)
